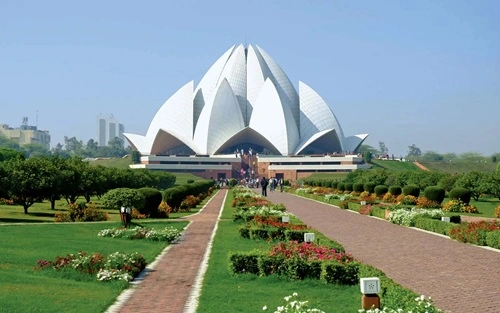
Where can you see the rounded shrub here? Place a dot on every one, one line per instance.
(152, 199)
(341, 186)
(460, 193)
(435, 193)
(380, 190)
(358, 187)
(348, 186)
(334, 184)
(411, 190)
(190, 181)
(395, 190)
(369, 187)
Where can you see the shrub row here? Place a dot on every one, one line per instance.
(433, 225)
(258, 263)
(174, 196)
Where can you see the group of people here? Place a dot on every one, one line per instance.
(272, 182)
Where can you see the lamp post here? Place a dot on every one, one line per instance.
(125, 216)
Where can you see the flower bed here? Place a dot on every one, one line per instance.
(474, 233)
(168, 234)
(116, 266)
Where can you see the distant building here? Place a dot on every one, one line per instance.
(26, 134)
(107, 129)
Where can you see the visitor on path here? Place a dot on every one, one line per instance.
(263, 183)
(281, 183)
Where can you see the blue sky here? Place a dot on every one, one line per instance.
(406, 72)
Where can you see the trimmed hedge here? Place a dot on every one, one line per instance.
(348, 186)
(153, 198)
(395, 190)
(433, 225)
(435, 193)
(411, 190)
(493, 239)
(340, 273)
(381, 190)
(358, 187)
(334, 184)
(341, 186)
(460, 193)
(244, 262)
(378, 212)
(369, 187)
(175, 195)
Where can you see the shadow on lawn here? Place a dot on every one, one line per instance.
(21, 220)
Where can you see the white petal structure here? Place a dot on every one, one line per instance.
(244, 100)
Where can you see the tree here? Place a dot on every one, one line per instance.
(476, 182)
(367, 156)
(382, 147)
(116, 145)
(136, 157)
(123, 197)
(28, 181)
(432, 156)
(8, 143)
(498, 167)
(9, 154)
(471, 157)
(91, 148)
(493, 184)
(414, 151)
(73, 146)
(363, 148)
(35, 149)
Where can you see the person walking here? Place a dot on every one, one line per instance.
(263, 184)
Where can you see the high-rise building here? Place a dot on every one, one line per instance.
(108, 128)
(26, 134)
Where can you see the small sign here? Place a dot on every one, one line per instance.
(342, 198)
(285, 219)
(445, 219)
(369, 285)
(363, 202)
(309, 237)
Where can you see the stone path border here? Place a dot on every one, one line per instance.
(172, 283)
(459, 277)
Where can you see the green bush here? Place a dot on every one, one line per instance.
(271, 265)
(190, 181)
(340, 273)
(295, 235)
(341, 186)
(244, 231)
(298, 269)
(460, 193)
(435, 193)
(358, 187)
(395, 190)
(411, 190)
(244, 262)
(152, 199)
(122, 197)
(378, 212)
(381, 190)
(493, 239)
(348, 186)
(433, 225)
(174, 196)
(334, 184)
(369, 187)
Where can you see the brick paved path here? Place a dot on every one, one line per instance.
(167, 288)
(459, 277)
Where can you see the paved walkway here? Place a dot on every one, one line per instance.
(167, 288)
(459, 277)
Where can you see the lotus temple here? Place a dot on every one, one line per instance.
(246, 119)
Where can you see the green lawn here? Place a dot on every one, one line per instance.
(394, 166)
(22, 289)
(249, 293)
(458, 167)
(328, 176)
(113, 162)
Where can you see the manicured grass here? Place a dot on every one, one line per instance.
(41, 213)
(394, 166)
(22, 289)
(328, 176)
(485, 206)
(249, 293)
(182, 178)
(113, 162)
(459, 167)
